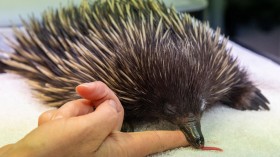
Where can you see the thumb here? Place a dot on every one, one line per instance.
(102, 121)
(98, 92)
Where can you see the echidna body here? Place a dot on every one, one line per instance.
(161, 64)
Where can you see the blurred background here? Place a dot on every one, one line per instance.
(254, 24)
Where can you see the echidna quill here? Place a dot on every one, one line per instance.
(161, 64)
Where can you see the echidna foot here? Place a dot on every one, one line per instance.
(257, 102)
(253, 101)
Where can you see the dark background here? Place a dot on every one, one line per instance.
(254, 24)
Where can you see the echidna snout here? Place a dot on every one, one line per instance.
(191, 128)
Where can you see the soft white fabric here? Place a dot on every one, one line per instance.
(238, 133)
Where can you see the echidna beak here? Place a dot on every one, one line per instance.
(193, 134)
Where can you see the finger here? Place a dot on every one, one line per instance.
(46, 116)
(101, 122)
(73, 109)
(158, 141)
(150, 142)
(98, 92)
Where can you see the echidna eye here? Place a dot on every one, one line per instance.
(169, 108)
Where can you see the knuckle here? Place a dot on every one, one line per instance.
(46, 116)
(41, 118)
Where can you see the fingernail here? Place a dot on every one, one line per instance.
(113, 104)
(85, 84)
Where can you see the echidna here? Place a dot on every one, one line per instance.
(161, 64)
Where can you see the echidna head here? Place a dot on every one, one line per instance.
(173, 83)
(180, 86)
(188, 119)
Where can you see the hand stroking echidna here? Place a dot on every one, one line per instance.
(162, 65)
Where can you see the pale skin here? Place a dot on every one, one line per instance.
(77, 130)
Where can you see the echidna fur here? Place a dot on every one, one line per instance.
(161, 64)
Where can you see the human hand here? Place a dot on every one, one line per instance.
(76, 129)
